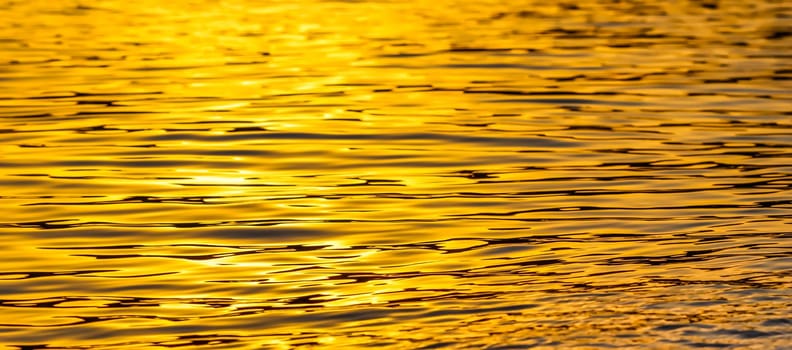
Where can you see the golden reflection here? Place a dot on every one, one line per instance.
(397, 174)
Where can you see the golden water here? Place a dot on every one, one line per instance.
(395, 174)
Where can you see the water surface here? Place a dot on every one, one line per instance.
(395, 174)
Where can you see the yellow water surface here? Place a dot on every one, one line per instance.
(479, 174)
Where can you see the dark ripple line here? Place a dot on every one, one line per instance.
(762, 204)
(532, 140)
(61, 223)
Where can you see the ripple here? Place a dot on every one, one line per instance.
(406, 175)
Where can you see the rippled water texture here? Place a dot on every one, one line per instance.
(395, 174)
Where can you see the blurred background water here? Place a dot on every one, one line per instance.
(395, 174)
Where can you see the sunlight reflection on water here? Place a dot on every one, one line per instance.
(398, 174)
